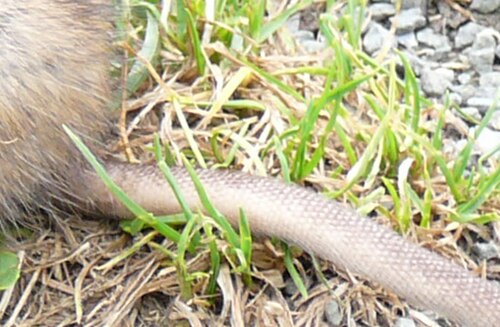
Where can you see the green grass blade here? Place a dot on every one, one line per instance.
(131, 205)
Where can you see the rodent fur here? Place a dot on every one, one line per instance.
(54, 68)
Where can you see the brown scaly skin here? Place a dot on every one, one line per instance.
(58, 74)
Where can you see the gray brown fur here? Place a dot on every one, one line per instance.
(54, 70)
(54, 62)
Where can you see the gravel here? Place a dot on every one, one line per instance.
(436, 82)
(375, 38)
(482, 53)
(466, 34)
(409, 20)
(381, 11)
(485, 6)
(454, 53)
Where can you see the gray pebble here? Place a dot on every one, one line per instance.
(472, 111)
(455, 98)
(309, 42)
(453, 148)
(485, 39)
(482, 59)
(466, 91)
(410, 4)
(313, 46)
(333, 313)
(467, 34)
(428, 37)
(487, 141)
(435, 82)
(483, 98)
(417, 63)
(408, 40)
(293, 23)
(490, 79)
(303, 35)
(485, 251)
(482, 103)
(482, 53)
(452, 17)
(375, 37)
(409, 20)
(381, 11)
(485, 6)
(290, 287)
(464, 78)
(440, 54)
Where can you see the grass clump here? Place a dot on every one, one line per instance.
(356, 127)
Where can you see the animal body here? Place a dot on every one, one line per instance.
(54, 63)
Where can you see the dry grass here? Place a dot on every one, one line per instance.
(71, 276)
